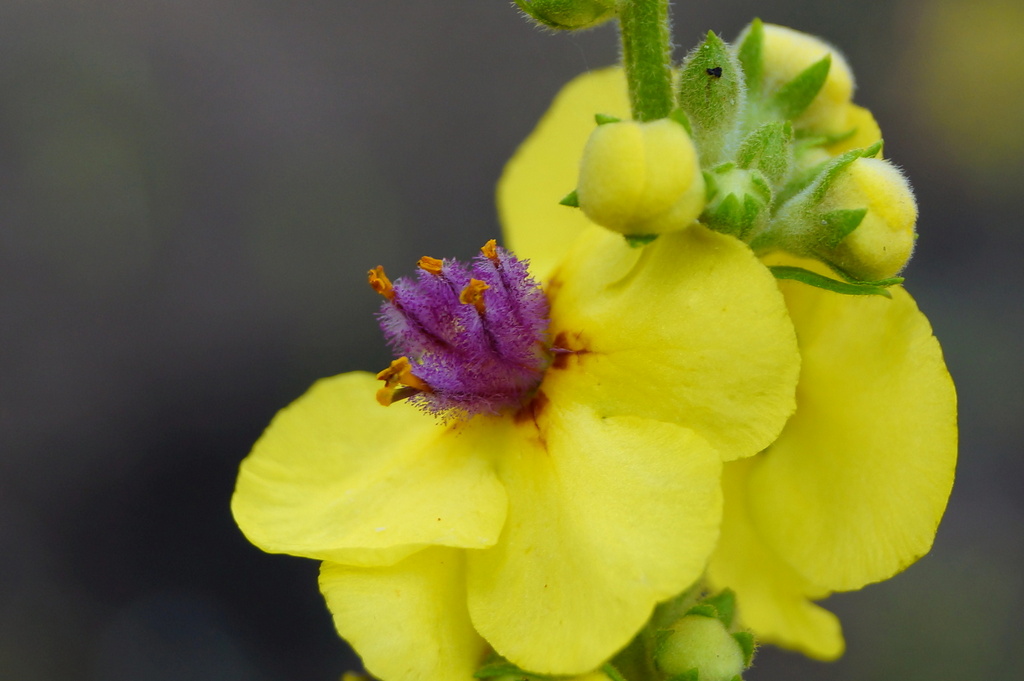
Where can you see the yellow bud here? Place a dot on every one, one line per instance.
(704, 644)
(865, 130)
(641, 178)
(787, 53)
(882, 244)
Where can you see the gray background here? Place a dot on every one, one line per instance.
(191, 193)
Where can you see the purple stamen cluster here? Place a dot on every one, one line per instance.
(477, 358)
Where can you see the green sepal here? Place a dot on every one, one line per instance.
(750, 53)
(703, 610)
(498, 669)
(691, 675)
(679, 116)
(839, 223)
(604, 119)
(638, 240)
(819, 281)
(734, 206)
(658, 642)
(571, 199)
(733, 216)
(724, 603)
(746, 642)
(612, 673)
(793, 98)
(768, 149)
(823, 182)
(713, 96)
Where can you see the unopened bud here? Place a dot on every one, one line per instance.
(568, 15)
(787, 53)
(703, 644)
(882, 243)
(738, 200)
(641, 178)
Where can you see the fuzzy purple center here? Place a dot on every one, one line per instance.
(477, 358)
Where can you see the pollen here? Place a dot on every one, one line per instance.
(380, 283)
(473, 294)
(490, 250)
(432, 265)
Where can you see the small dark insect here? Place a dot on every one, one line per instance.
(716, 72)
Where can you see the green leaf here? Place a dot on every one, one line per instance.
(751, 56)
(768, 149)
(793, 98)
(571, 199)
(604, 119)
(638, 240)
(713, 96)
(724, 603)
(838, 224)
(819, 281)
(746, 641)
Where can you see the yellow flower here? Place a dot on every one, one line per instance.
(547, 532)
(853, 490)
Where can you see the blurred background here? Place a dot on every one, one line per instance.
(191, 193)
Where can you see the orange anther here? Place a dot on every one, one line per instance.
(473, 294)
(380, 282)
(400, 382)
(490, 250)
(432, 265)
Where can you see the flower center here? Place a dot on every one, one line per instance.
(471, 338)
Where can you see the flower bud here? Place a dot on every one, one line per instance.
(881, 244)
(738, 200)
(701, 643)
(641, 178)
(568, 15)
(863, 129)
(786, 54)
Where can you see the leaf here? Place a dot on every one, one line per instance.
(819, 281)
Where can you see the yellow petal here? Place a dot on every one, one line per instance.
(546, 166)
(607, 516)
(690, 329)
(772, 597)
(853, 490)
(407, 621)
(338, 477)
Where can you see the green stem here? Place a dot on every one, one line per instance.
(647, 57)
